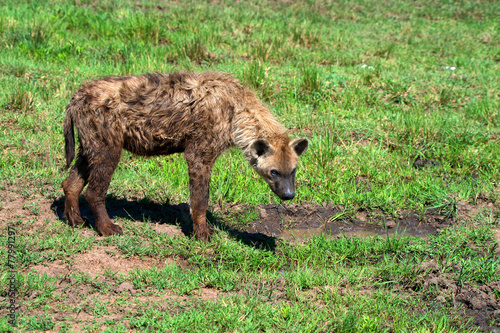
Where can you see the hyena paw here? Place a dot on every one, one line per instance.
(109, 229)
(74, 220)
(204, 233)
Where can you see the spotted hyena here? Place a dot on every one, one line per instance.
(198, 114)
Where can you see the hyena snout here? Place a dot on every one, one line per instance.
(284, 188)
(288, 195)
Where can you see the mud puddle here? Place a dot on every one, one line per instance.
(303, 221)
(362, 229)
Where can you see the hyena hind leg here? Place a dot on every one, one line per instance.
(72, 187)
(101, 168)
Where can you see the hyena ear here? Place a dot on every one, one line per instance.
(260, 147)
(299, 145)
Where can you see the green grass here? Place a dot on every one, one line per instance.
(369, 83)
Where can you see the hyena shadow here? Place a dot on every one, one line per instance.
(146, 211)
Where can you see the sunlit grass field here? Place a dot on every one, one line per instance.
(377, 86)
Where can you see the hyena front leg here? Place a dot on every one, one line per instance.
(199, 183)
(73, 186)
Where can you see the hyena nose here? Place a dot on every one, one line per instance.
(288, 195)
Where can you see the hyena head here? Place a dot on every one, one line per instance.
(276, 163)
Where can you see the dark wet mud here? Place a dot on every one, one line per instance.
(294, 221)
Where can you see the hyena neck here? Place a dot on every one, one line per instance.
(254, 124)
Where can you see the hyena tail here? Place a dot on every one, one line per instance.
(69, 138)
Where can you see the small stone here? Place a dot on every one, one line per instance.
(420, 163)
(125, 286)
(263, 213)
(390, 224)
(428, 265)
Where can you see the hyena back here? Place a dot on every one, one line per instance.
(199, 114)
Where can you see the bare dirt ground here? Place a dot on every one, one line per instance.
(291, 221)
(479, 300)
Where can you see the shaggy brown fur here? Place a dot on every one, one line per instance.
(200, 114)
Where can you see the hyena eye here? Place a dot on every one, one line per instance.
(294, 171)
(274, 173)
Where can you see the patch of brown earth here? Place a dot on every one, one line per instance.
(97, 262)
(168, 230)
(481, 301)
(110, 258)
(15, 207)
(497, 236)
(76, 304)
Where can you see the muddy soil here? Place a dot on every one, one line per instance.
(292, 221)
(478, 300)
